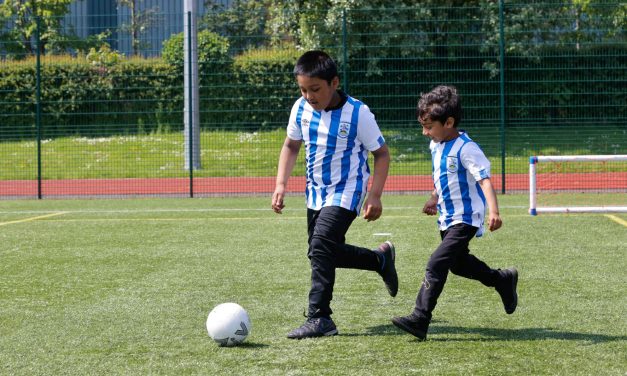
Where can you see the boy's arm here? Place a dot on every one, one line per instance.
(287, 160)
(373, 206)
(431, 206)
(494, 220)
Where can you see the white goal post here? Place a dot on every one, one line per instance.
(534, 160)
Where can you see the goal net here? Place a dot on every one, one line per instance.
(577, 184)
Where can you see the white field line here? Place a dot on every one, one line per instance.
(207, 210)
(277, 218)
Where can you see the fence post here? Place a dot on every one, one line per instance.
(502, 91)
(191, 116)
(190, 107)
(38, 101)
(345, 52)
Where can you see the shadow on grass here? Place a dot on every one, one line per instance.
(530, 334)
(252, 345)
(491, 334)
(380, 330)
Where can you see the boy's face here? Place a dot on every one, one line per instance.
(318, 92)
(438, 132)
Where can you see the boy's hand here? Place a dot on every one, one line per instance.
(277, 200)
(373, 208)
(287, 159)
(431, 206)
(494, 222)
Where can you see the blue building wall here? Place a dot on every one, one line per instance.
(90, 17)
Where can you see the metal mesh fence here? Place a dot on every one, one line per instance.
(97, 108)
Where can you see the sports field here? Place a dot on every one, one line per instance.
(124, 287)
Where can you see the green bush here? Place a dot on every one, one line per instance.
(214, 69)
(79, 98)
(266, 75)
(17, 101)
(212, 51)
(144, 95)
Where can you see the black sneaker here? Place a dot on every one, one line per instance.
(317, 327)
(388, 270)
(507, 289)
(413, 325)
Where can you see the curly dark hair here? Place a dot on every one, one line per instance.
(439, 104)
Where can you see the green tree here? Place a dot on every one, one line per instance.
(243, 21)
(22, 15)
(139, 22)
(535, 29)
(320, 24)
(430, 28)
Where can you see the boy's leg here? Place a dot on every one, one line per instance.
(353, 257)
(469, 266)
(504, 281)
(382, 260)
(454, 240)
(327, 229)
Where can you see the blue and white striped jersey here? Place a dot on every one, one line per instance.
(458, 166)
(337, 144)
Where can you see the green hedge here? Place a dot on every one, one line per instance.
(82, 99)
(143, 96)
(255, 90)
(264, 88)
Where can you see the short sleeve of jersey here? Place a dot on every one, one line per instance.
(294, 130)
(473, 159)
(368, 131)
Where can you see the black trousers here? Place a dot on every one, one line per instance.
(452, 254)
(327, 251)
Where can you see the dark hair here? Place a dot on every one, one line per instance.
(316, 64)
(439, 104)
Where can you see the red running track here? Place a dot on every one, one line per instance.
(258, 185)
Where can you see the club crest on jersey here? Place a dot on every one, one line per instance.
(451, 164)
(344, 130)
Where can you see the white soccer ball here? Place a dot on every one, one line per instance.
(228, 324)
